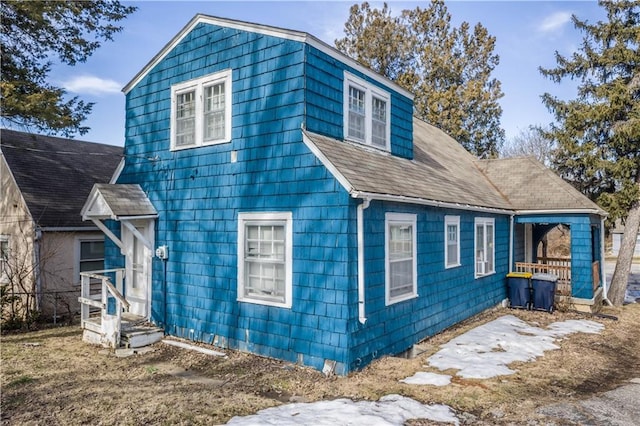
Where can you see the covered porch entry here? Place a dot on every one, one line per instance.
(117, 302)
(579, 266)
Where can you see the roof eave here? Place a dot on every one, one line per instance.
(562, 211)
(427, 202)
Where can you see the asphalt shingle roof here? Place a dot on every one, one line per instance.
(529, 185)
(126, 200)
(441, 170)
(55, 175)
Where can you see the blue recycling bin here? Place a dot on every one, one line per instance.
(543, 287)
(519, 289)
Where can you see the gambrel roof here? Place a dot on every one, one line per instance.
(56, 174)
(442, 173)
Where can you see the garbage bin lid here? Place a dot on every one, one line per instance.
(544, 277)
(519, 275)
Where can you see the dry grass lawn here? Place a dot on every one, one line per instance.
(51, 377)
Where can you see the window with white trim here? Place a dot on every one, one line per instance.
(366, 113)
(4, 257)
(400, 257)
(451, 241)
(91, 255)
(484, 246)
(201, 111)
(265, 258)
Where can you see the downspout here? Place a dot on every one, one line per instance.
(360, 224)
(511, 243)
(37, 258)
(603, 275)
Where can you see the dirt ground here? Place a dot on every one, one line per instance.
(51, 377)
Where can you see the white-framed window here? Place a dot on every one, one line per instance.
(201, 111)
(400, 257)
(265, 258)
(484, 246)
(89, 254)
(451, 241)
(367, 111)
(4, 257)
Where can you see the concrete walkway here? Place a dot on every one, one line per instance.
(619, 407)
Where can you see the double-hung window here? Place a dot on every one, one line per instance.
(201, 111)
(89, 255)
(451, 241)
(484, 246)
(400, 254)
(265, 258)
(4, 258)
(366, 113)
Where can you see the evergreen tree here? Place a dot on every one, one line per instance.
(448, 69)
(34, 32)
(598, 133)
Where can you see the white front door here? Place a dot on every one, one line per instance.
(138, 258)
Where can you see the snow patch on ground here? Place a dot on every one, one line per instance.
(390, 410)
(480, 353)
(486, 350)
(422, 378)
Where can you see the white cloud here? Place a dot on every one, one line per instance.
(92, 85)
(554, 22)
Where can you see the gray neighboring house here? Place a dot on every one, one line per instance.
(44, 182)
(616, 239)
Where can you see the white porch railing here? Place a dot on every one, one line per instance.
(558, 266)
(96, 313)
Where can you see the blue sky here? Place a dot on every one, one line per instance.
(527, 32)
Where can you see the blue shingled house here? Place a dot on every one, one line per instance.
(279, 198)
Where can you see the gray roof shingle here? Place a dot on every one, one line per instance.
(529, 185)
(443, 171)
(125, 200)
(55, 175)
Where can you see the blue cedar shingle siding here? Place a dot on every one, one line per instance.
(278, 86)
(199, 193)
(324, 102)
(445, 296)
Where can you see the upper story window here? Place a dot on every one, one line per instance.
(484, 246)
(201, 111)
(400, 254)
(366, 113)
(452, 241)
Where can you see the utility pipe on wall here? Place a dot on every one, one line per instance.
(603, 275)
(360, 225)
(511, 243)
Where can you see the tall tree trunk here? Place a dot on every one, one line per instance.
(618, 286)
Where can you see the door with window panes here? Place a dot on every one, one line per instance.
(138, 260)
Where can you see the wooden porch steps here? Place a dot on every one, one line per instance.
(140, 336)
(135, 331)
